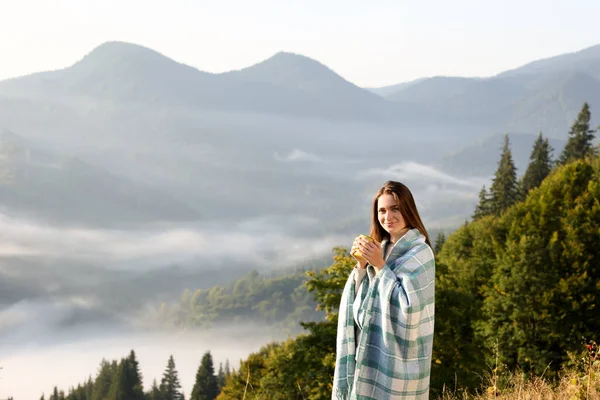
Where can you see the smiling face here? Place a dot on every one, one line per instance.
(393, 212)
(389, 215)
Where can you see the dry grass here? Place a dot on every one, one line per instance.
(571, 387)
(580, 382)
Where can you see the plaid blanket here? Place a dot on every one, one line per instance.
(395, 313)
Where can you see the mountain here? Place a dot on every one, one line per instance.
(287, 128)
(462, 99)
(585, 61)
(114, 71)
(67, 190)
(554, 102)
(386, 90)
(544, 95)
(298, 72)
(305, 75)
(288, 84)
(122, 72)
(428, 90)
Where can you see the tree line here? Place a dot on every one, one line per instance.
(123, 380)
(506, 190)
(279, 301)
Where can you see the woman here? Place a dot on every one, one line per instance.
(386, 318)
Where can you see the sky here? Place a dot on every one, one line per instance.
(370, 43)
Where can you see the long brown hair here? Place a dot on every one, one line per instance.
(406, 203)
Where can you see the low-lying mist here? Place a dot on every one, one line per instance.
(53, 280)
(71, 294)
(266, 242)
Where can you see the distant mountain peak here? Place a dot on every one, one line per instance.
(116, 45)
(294, 70)
(131, 72)
(291, 56)
(584, 60)
(295, 62)
(114, 52)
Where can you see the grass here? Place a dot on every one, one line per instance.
(570, 387)
(580, 381)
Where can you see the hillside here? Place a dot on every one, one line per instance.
(519, 289)
(554, 100)
(517, 253)
(584, 61)
(305, 75)
(541, 95)
(67, 190)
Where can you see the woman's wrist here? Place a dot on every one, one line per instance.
(379, 266)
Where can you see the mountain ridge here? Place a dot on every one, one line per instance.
(295, 85)
(286, 83)
(587, 53)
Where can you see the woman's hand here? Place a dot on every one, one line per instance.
(362, 263)
(372, 252)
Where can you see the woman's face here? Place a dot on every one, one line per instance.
(389, 214)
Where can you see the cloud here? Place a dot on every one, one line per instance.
(56, 280)
(40, 314)
(252, 241)
(439, 195)
(420, 173)
(298, 155)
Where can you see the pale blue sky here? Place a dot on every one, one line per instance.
(370, 43)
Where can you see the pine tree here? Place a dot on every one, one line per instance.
(504, 190)
(581, 136)
(220, 377)
(543, 295)
(484, 207)
(439, 243)
(118, 387)
(127, 381)
(227, 369)
(134, 386)
(103, 380)
(89, 388)
(154, 393)
(206, 386)
(78, 393)
(540, 165)
(169, 385)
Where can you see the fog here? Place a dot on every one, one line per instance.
(72, 293)
(71, 296)
(255, 242)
